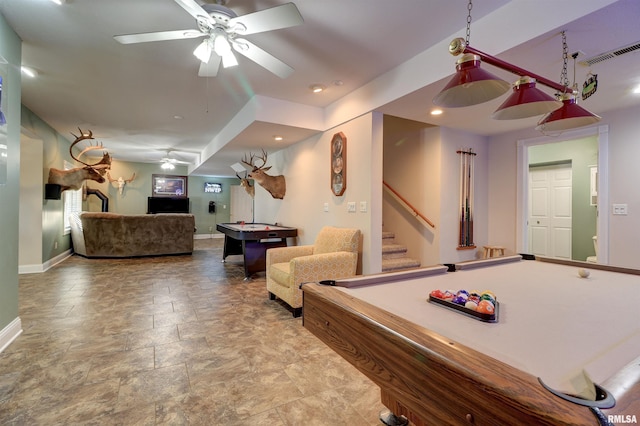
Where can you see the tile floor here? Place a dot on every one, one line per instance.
(170, 340)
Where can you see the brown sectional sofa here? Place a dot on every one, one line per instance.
(115, 235)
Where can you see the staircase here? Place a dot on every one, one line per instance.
(394, 256)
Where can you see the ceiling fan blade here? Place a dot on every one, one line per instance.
(193, 8)
(262, 58)
(274, 18)
(210, 69)
(157, 36)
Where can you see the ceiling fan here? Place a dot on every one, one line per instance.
(169, 161)
(221, 27)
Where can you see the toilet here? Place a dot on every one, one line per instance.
(594, 259)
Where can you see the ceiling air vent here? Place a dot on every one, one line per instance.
(611, 54)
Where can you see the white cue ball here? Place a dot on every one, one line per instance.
(583, 273)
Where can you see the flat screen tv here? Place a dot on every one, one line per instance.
(167, 205)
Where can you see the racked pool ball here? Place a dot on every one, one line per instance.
(449, 295)
(486, 307)
(471, 305)
(489, 297)
(460, 300)
(437, 294)
(490, 293)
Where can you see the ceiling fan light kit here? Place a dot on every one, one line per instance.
(220, 26)
(471, 86)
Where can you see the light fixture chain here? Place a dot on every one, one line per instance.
(469, 7)
(564, 79)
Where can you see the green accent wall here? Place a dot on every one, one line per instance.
(10, 59)
(582, 154)
(133, 199)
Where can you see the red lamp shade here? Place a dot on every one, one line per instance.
(526, 101)
(569, 116)
(470, 85)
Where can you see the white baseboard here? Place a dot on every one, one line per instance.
(10, 333)
(35, 269)
(31, 269)
(207, 236)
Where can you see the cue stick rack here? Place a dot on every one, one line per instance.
(465, 241)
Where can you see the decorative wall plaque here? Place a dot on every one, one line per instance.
(338, 163)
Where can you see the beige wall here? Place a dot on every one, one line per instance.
(452, 141)
(31, 193)
(412, 168)
(306, 167)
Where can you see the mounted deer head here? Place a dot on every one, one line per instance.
(244, 182)
(72, 179)
(276, 185)
(120, 181)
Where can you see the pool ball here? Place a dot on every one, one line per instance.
(449, 295)
(583, 273)
(485, 307)
(486, 296)
(471, 305)
(437, 294)
(459, 300)
(490, 293)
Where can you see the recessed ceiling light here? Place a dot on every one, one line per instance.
(637, 89)
(59, 2)
(277, 138)
(436, 111)
(29, 72)
(317, 88)
(178, 117)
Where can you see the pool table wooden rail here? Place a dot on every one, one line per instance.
(433, 380)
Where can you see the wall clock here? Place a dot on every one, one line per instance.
(338, 163)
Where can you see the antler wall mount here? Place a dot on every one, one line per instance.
(73, 178)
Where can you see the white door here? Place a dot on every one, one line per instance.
(241, 205)
(550, 189)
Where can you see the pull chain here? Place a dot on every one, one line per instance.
(469, 7)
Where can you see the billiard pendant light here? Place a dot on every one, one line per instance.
(471, 85)
(569, 116)
(526, 101)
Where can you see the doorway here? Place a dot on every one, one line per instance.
(600, 135)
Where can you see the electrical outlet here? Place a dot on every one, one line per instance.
(620, 209)
(325, 207)
(211, 229)
(363, 206)
(55, 244)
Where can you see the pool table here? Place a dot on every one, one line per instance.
(252, 240)
(437, 366)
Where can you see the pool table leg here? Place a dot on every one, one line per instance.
(388, 418)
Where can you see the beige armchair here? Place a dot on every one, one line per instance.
(333, 255)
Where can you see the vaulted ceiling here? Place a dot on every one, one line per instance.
(143, 100)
